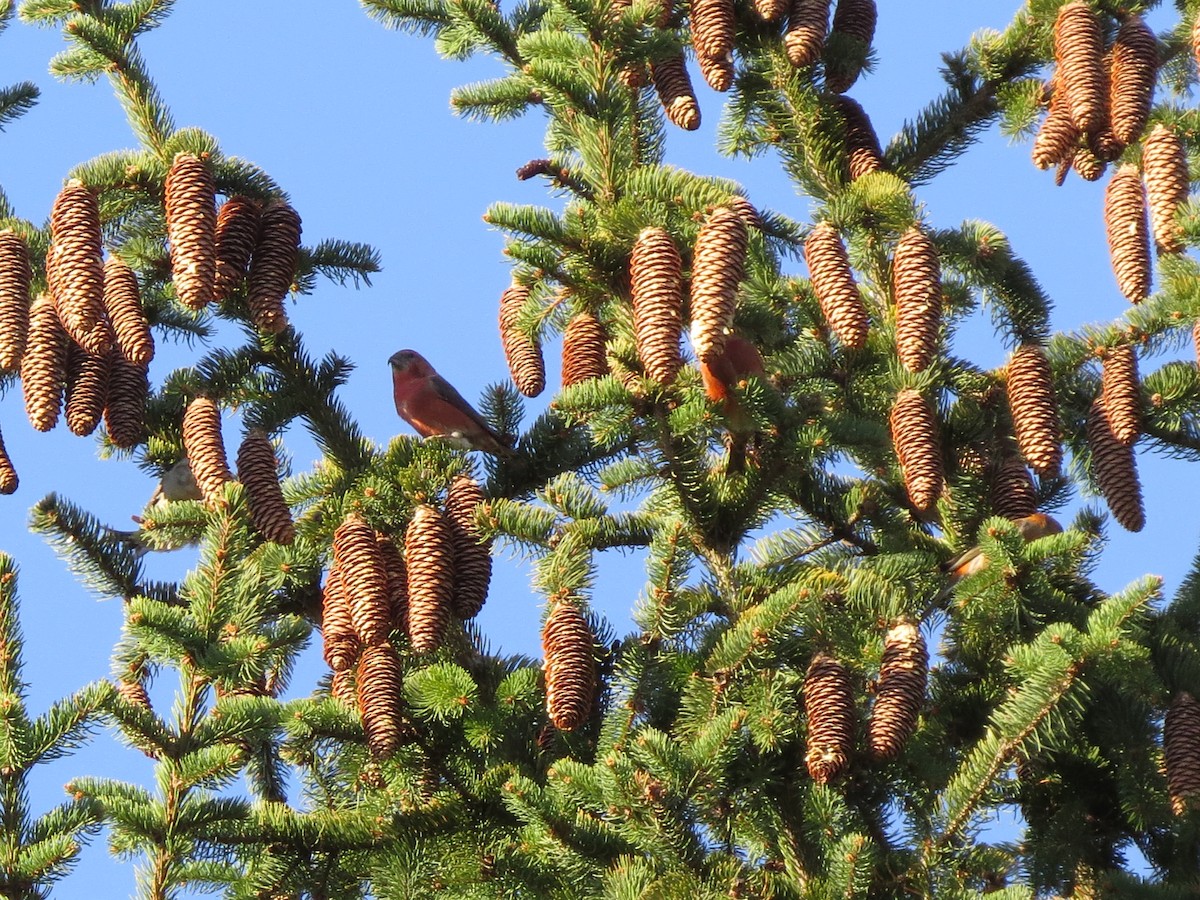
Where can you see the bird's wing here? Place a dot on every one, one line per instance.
(446, 391)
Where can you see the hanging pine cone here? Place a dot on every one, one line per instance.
(236, 234)
(829, 704)
(379, 680)
(123, 303)
(524, 355)
(429, 555)
(1181, 750)
(833, 282)
(258, 471)
(1089, 166)
(397, 581)
(1013, 493)
(87, 389)
(863, 153)
(718, 71)
(340, 643)
(807, 28)
(1128, 236)
(746, 210)
(1165, 164)
(1121, 393)
(1079, 51)
(584, 354)
(1132, 74)
(78, 283)
(567, 650)
(901, 691)
(1034, 409)
(44, 365)
(191, 207)
(1115, 469)
(1196, 40)
(674, 87)
(718, 265)
(1057, 138)
(205, 448)
(273, 266)
(15, 276)
(854, 19)
(342, 687)
(915, 437)
(771, 10)
(472, 554)
(657, 291)
(134, 692)
(8, 474)
(917, 290)
(364, 579)
(125, 408)
(712, 28)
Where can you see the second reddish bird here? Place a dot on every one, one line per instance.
(739, 361)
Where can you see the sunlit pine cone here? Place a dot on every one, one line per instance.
(657, 291)
(807, 28)
(917, 291)
(191, 208)
(1115, 470)
(771, 10)
(829, 706)
(718, 266)
(15, 277)
(524, 355)
(855, 19)
(1013, 493)
(1196, 340)
(1079, 51)
(258, 471)
(1089, 166)
(472, 554)
(675, 92)
(1121, 392)
(205, 448)
(44, 365)
(236, 235)
(340, 642)
(134, 692)
(1132, 73)
(901, 691)
(87, 389)
(429, 555)
(915, 436)
(343, 688)
(744, 208)
(712, 25)
(1165, 165)
(570, 667)
(78, 282)
(125, 408)
(584, 354)
(718, 71)
(397, 581)
(1128, 235)
(8, 474)
(364, 578)
(1062, 170)
(833, 282)
(273, 266)
(1058, 137)
(123, 302)
(1196, 39)
(379, 681)
(1181, 751)
(863, 153)
(1034, 409)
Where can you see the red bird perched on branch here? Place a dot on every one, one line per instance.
(973, 560)
(738, 361)
(431, 405)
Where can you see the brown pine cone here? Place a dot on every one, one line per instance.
(1133, 71)
(44, 365)
(134, 692)
(1121, 393)
(524, 355)
(570, 667)
(829, 704)
(718, 71)
(1089, 166)
(915, 436)
(191, 207)
(675, 92)
(712, 28)
(380, 683)
(75, 258)
(833, 282)
(397, 581)
(8, 474)
(863, 153)
(584, 354)
(125, 409)
(746, 210)
(15, 277)
(472, 553)
(855, 19)
(273, 266)
(205, 448)
(807, 28)
(429, 555)
(771, 10)
(1034, 409)
(718, 266)
(657, 290)
(1181, 749)
(87, 389)
(917, 290)
(236, 234)
(342, 687)
(1196, 39)
(901, 691)
(1164, 161)
(1115, 469)
(258, 471)
(1013, 493)
(340, 643)
(364, 579)
(123, 303)
(1079, 51)
(1128, 236)
(1056, 140)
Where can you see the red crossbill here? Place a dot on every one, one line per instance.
(738, 361)
(973, 559)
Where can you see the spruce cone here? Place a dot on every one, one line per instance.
(833, 282)
(807, 28)
(15, 276)
(1181, 749)
(917, 289)
(125, 409)
(75, 259)
(1132, 75)
(712, 28)
(337, 631)
(134, 692)
(746, 210)
(584, 353)
(397, 581)
(771, 10)
(236, 235)
(1034, 409)
(8, 474)
(863, 153)
(1089, 166)
(1013, 493)
(124, 306)
(718, 265)
(1058, 136)
(855, 19)
(472, 554)
(87, 390)
(342, 687)
(567, 650)
(1165, 164)
(1079, 51)
(258, 471)
(718, 71)
(1121, 393)
(191, 206)
(205, 448)
(44, 365)
(273, 266)
(1128, 237)
(915, 437)
(829, 704)
(380, 681)
(524, 356)
(674, 87)
(901, 691)
(364, 579)
(1196, 40)
(1115, 470)
(657, 289)
(429, 555)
